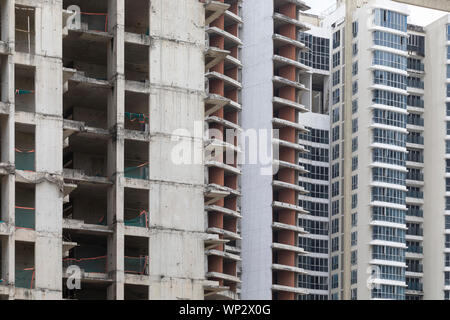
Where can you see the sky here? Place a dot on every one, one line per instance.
(419, 16)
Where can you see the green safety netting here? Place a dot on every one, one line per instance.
(140, 117)
(137, 265)
(25, 278)
(25, 160)
(139, 172)
(22, 91)
(140, 221)
(95, 21)
(25, 217)
(94, 265)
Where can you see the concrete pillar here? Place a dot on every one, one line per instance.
(8, 135)
(176, 248)
(116, 146)
(49, 196)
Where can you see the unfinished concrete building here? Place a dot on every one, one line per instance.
(93, 96)
(273, 93)
(222, 171)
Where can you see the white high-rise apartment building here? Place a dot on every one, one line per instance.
(389, 186)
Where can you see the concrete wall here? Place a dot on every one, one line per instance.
(257, 195)
(434, 157)
(176, 192)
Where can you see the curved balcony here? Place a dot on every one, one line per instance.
(232, 62)
(228, 169)
(279, 82)
(278, 205)
(282, 267)
(287, 247)
(301, 5)
(280, 61)
(225, 211)
(280, 20)
(287, 144)
(223, 276)
(281, 41)
(230, 40)
(232, 18)
(282, 123)
(213, 10)
(285, 185)
(222, 121)
(214, 102)
(288, 165)
(214, 56)
(223, 254)
(229, 82)
(288, 227)
(225, 233)
(281, 103)
(278, 287)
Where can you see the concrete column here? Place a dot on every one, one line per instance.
(176, 247)
(49, 194)
(116, 146)
(8, 134)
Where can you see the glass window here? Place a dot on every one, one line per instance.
(336, 77)
(390, 19)
(390, 99)
(354, 163)
(390, 79)
(336, 59)
(390, 118)
(390, 40)
(389, 59)
(318, 54)
(336, 39)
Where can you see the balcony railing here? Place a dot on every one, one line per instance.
(415, 213)
(414, 139)
(415, 249)
(25, 159)
(415, 268)
(414, 194)
(415, 83)
(416, 121)
(417, 286)
(415, 232)
(138, 172)
(136, 265)
(415, 158)
(418, 103)
(417, 66)
(414, 176)
(24, 278)
(140, 221)
(25, 218)
(91, 265)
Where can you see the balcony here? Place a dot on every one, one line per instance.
(414, 194)
(25, 218)
(415, 139)
(25, 278)
(136, 265)
(416, 121)
(416, 268)
(415, 249)
(413, 83)
(415, 158)
(415, 286)
(414, 176)
(415, 212)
